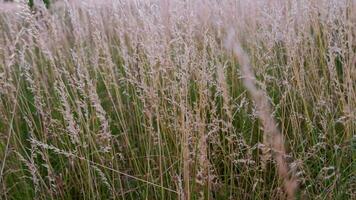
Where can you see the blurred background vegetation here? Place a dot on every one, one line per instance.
(46, 2)
(31, 2)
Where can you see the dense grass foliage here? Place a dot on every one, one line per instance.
(159, 99)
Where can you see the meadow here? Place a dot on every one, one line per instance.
(178, 99)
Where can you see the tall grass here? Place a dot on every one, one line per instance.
(165, 99)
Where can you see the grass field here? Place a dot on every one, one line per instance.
(177, 99)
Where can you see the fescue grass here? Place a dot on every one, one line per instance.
(178, 100)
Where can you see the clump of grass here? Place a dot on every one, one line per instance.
(158, 100)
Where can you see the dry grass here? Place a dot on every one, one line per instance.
(168, 99)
